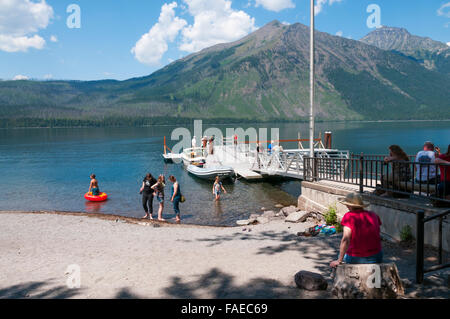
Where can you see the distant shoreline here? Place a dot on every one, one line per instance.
(206, 121)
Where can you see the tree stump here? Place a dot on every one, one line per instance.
(367, 281)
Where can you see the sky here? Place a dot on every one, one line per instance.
(121, 39)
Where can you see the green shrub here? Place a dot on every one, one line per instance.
(406, 234)
(331, 218)
(331, 215)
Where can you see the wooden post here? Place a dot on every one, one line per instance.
(300, 145)
(164, 145)
(328, 143)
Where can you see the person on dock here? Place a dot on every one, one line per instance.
(194, 142)
(401, 170)
(93, 186)
(147, 195)
(176, 197)
(426, 174)
(204, 145)
(159, 192)
(361, 240)
(211, 145)
(444, 185)
(270, 147)
(218, 188)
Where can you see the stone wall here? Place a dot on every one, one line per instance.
(395, 214)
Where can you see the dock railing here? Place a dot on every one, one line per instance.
(420, 243)
(290, 163)
(371, 171)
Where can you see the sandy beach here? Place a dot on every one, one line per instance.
(128, 258)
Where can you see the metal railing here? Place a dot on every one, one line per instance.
(291, 162)
(420, 243)
(370, 171)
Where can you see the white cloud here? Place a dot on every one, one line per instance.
(20, 77)
(20, 20)
(54, 38)
(339, 33)
(444, 10)
(275, 5)
(16, 44)
(448, 43)
(321, 3)
(214, 22)
(152, 45)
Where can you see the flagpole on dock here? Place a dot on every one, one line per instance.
(311, 83)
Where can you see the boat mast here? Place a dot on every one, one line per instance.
(311, 84)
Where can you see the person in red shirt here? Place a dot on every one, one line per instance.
(444, 185)
(361, 241)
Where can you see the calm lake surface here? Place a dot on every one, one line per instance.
(48, 169)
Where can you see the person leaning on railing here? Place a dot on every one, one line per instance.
(444, 185)
(401, 170)
(425, 173)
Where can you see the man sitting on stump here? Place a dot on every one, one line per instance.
(361, 241)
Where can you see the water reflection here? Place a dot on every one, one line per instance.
(93, 207)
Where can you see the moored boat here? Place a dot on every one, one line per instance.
(171, 157)
(210, 173)
(194, 156)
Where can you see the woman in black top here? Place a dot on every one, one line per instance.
(147, 195)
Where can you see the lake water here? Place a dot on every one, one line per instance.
(48, 169)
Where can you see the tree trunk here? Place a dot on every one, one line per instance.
(368, 281)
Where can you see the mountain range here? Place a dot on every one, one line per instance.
(388, 75)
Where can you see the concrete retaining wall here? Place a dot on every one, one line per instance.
(395, 214)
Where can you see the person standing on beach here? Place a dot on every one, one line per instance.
(159, 192)
(93, 186)
(176, 197)
(147, 195)
(218, 188)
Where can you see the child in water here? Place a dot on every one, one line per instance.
(93, 186)
(218, 188)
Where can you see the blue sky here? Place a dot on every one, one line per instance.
(120, 39)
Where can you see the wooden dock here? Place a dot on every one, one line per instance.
(247, 174)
